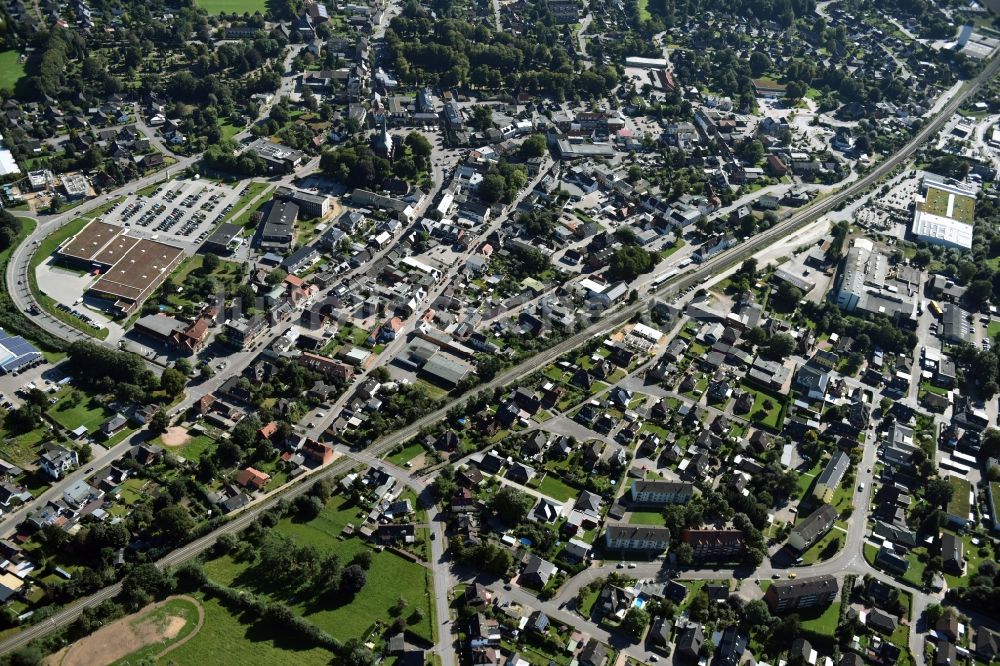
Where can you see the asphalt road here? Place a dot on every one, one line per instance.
(385, 444)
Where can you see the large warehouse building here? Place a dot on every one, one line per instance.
(946, 215)
(130, 268)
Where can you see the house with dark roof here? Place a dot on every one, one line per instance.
(593, 654)
(881, 621)
(537, 572)
(689, 642)
(730, 648)
(953, 554)
(812, 529)
(808, 592)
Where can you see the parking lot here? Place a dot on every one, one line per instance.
(179, 212)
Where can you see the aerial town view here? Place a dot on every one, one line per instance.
(500, 332)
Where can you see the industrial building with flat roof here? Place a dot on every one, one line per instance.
(16, 353)
(130, 268)
(946, 214)
(862, 284)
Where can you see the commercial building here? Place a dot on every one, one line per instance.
(278, 157)
(310, 205)
(130, 269)
(787, 595)
(862, 285)
(946, 214)
(224, 240)
(243, 333)
(278, 233)
(16, 353)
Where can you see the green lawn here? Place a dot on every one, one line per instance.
(406, 455)
(555, 488)
(959, 504)
(87, 412)
(824, 623)
(819, 553)
(174, 608)
(774, 416)
(229, 131)
(390, 576)
(993, 330)
(11, 70)
(256, 190)
(194, 449)
(224, 640)
(644, 14)
(232, 6)
(21, 449)
(646, 518)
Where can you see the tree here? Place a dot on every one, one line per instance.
(760, 63)
(356, 654)
(492, 188)
(938, 492)
(533, 146)
(511, 505)
(757, 614)
(353, 579)
(210, 263)
(634, 622)
(159, 421)
(175, 522)
(779, 346)
(172, 382)
(29, 655)
(183, 366)
(685, 554)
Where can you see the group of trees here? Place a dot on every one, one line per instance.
(453, 52)
(356, 165)
(105, 370)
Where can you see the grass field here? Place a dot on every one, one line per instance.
(256, 189)
(87, 412)
(644, 14)
(11, 70)
(224, 640)
(232, 6)
(825, 623)
(406, 455)
(959, 504)
(389, 578)
(555, 488)
(774, 416)
(646, 518)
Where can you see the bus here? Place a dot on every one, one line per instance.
(934, 308)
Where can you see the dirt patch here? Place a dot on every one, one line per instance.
(175, 436)
(129, 634)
